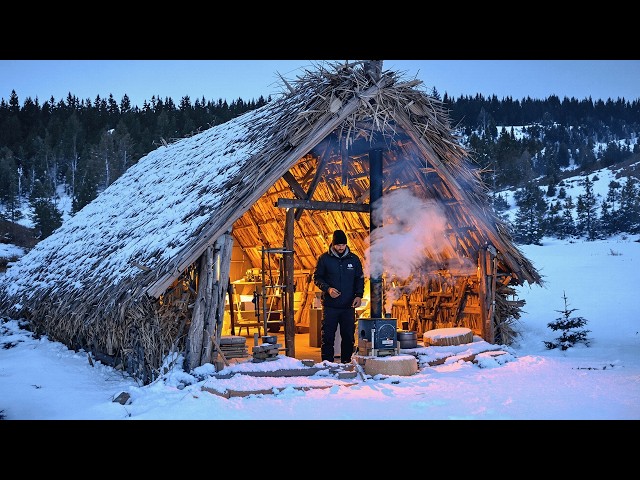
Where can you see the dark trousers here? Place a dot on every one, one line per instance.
(346, 319)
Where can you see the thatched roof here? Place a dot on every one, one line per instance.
(145, 229)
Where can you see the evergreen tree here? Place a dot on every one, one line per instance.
(14, 103)
(125, 104)
(587, 217)
(572, 328)
(562, 157)
(613, 194)
(9, 186)
(87, 188)
(562, 193)
(85, 192)
(47, 217)
(509, 162)
(123, 150)
(73, 136)
(567, 227)
(568, 203)
(551, 190)
(500, 204)
(607, 221)
(628, 215)
(8, 177)
(105, 153)
(612, 155)
(529, 224)
(501, 207)
(554, 219)
(586, 157)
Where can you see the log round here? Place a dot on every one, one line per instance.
(447, 336)
(403, 365)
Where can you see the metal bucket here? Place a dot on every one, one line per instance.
(407, 339)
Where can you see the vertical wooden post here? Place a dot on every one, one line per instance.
(196, 329)
(486, 293)
(232, 313)
(482, 293)
(289, 325)
(492, 293)
(219, 274)
(208, 311)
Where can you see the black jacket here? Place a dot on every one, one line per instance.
(344, 273)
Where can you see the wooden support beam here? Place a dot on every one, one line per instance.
(315, 181)
(298, 191)
(330, 206)
(344, 164)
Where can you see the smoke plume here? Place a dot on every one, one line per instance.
(411, 233)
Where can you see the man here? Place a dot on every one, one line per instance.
(339, 275)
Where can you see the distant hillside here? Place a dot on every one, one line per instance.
(56, 157)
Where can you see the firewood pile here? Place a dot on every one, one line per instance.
(234, 346)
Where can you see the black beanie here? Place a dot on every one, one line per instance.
(339, 238)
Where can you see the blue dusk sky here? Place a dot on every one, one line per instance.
(250, 79)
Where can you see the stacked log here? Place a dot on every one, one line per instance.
(234, 346)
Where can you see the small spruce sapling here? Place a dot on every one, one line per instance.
(572, 328)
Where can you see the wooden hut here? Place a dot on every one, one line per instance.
(153, 266)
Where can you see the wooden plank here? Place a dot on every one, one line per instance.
(471, 310)
(270, 391)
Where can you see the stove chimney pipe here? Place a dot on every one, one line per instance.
(376, 257)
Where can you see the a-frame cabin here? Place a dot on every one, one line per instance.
(146, 268)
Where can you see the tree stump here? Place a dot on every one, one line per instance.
(403, 365)
(447, 336)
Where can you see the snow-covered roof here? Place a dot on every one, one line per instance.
(140, 224)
